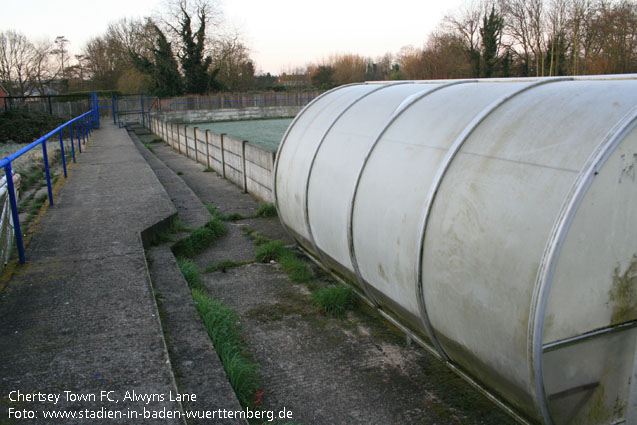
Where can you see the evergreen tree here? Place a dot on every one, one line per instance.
(166, 80)
(491, 33)
(166, 77)
(193, 62)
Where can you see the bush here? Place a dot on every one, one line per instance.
(26, 127)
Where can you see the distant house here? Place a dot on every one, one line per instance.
(36, 92)
(293, 80)
(3, 94)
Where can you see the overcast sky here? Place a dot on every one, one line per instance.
(281, 34)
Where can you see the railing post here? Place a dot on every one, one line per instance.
(14, 212)
(113, 107)
(47, 172)
(62, 150)
(72, 144)
(79, 137)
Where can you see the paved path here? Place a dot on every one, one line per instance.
(80, 318)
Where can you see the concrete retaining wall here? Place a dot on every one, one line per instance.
(248, 166)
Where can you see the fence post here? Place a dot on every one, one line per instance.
(178, 141)
(223, 157)
(208, 148)
(243, 160)
(14, 212)
(194, 133)
(186, 140)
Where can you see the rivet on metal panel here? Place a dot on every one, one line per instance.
(554, 244)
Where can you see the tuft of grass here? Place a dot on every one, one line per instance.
(265, 210)
(233, 217)
(200, 239)
(229, 217)
(224, 328)
(178, 226)
(149, 147)
(157, 140)
(272, 250)
(180, 173)
(334, 300)
(295, 268)
(209, 170)
(191, 273)
(213, 211)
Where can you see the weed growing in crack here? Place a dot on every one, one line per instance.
(265, 210)
(191, 273)
(224, 265)
(200, 239)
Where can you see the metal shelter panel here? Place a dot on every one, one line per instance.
(298, 158)
(463, 211)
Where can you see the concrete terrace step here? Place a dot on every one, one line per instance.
(79, 325)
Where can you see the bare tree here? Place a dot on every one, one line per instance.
(16, 62)
(465, 25)
(233, 68)
(44, 70)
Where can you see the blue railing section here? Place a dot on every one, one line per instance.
(82, 125)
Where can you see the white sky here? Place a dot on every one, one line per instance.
(281, 34)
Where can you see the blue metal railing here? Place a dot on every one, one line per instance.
(83, 125)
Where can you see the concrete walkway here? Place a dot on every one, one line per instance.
(79, 329)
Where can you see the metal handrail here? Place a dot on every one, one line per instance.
(84, 126)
